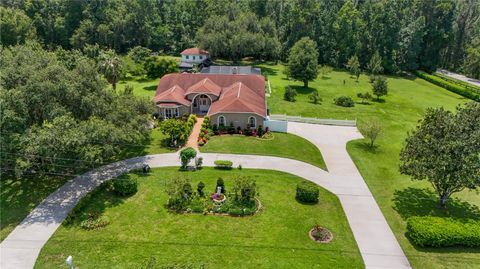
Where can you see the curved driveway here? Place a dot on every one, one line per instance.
(376, 242)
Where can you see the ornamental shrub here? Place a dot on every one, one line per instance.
(124, 186)
(443, 232)
(344, 101)
(200, 188)
(221, 184)
(307, 192)
(290, 94)
(223, 164)
(186, 155)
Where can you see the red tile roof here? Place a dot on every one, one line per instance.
(239, 98)
(206, 85)
(173, 94)
(194, 51)
(238, 93)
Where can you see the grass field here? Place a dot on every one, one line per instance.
(141, 229)
(283, 145)
(397, 195)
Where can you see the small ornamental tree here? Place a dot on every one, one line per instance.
(371, 130)
(200, 188)
(177, 131)
(325, 70)
(379, 86)
(315, 97)
(303, 61)
(245, 189)
(353, 66)
(445, 150)
(375, 65)
(364, 96)
(186, 155)
(290, 94)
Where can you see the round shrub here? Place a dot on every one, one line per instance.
(307, 192)
(344, 101)
(125, 186)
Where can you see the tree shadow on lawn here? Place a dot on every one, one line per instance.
(150, 88)
(303, 90)
(424, 202)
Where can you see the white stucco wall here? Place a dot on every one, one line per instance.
(191, 60)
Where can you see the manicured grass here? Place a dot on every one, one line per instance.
(141, 229)
(283, 145)
(20, 195)
(397, 195)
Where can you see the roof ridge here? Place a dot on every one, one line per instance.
(239, 89)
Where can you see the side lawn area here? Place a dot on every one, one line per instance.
(282, 145)
(398, 112)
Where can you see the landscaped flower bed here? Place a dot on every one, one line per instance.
(240, 201)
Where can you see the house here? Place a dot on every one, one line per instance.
(193, 56)
(225, 98)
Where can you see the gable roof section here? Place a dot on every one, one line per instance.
(194, 51)
(205, 85)
(238, 98)
(173, 94)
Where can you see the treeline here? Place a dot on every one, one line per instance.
(407, 34)
(58, 115)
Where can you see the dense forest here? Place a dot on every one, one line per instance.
(407, 34)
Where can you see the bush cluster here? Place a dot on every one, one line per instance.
(186, 155)
(290, 94)
(223, 164)
(344, 101)
(456, 88)
(443, 232)
(125, 186)
(307, 192)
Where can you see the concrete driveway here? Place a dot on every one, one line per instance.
(376, 242)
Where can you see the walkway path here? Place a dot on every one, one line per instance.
(376, 242)
(472, 81)
(193, 138)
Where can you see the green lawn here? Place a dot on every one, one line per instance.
(397, 195)
(283, 145)
(20, 195)
(141, 229)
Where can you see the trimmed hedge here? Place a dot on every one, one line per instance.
(443, 232)
(458, 89)
(124, 186)
(307, 192)
(223, 164)
(344, 101)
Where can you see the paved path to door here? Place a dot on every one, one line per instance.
(378, 246)
(193, 138)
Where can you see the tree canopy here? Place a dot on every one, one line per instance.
(407, 34)
(302, 61)
(445, 150)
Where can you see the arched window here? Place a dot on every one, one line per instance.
(221, 121)
(252, 122)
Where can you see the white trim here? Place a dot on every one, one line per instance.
(193, 100)
(254, 121)
(236, 113)
(224, 120)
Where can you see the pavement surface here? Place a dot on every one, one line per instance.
(472, 81)
(376, 242)
(193, 138)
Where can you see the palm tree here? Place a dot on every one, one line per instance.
(111, 67)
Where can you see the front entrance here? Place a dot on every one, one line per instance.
(201, 104)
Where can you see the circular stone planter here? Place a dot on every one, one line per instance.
(217, 201)
(327, 239)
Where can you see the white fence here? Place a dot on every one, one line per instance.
(286, 118)
(276, 125)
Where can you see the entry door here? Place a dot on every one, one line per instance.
(204, 104)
